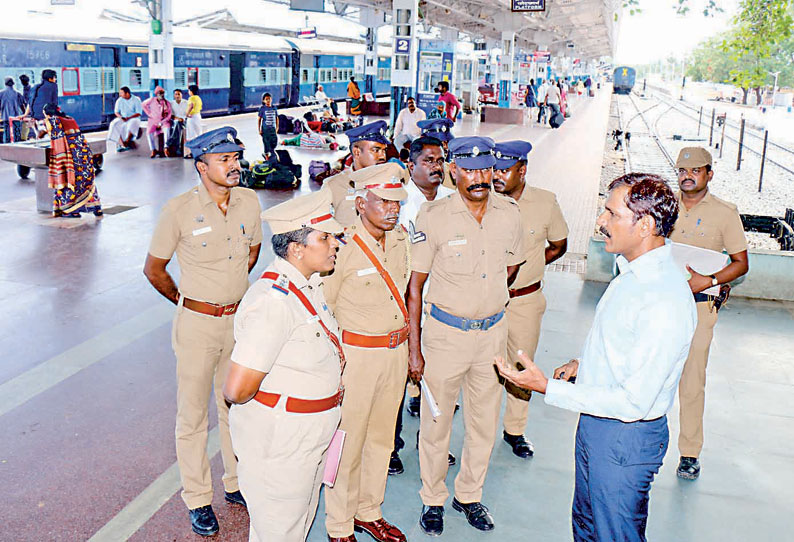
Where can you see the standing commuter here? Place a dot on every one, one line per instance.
(354, 95)
(366, 294)
(12, 107)
(541, 98)
(629, 367)
(268, 125)
(553, 99)
(468, 246)
(46, 92)
(193, 125)
(545, 240)
(368, 147)
(124, 129)
(27, 94)
(426, 167)
(216, 233)
(285, 373)
(451, 103)
(704, 221)
(531, 99)
(176, 139)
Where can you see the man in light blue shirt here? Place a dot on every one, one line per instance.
(125, 128)
(627, 376)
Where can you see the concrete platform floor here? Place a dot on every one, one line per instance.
(87, 381)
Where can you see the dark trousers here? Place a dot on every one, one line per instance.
(615, 465)
(399, 443)
(541, 113)
(269, 139)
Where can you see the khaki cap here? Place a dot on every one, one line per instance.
(384, 180)
(693, 157)
(313, 210)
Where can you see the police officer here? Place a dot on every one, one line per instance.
(366, 294)
(426, 166)
(440, 129)
(704, 221)
(216, 233)
(368, 146)
(285, 373)
(468, 245)
(545, 239)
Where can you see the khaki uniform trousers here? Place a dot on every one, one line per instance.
(203, 346)
(692, 387)
(455, 359)
(374, 380)
(282, 459)
(524, 315)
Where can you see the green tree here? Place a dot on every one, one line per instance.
(761, 29)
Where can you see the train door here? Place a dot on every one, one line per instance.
(236, 81)
(192, 76)
(295, 80)
(109, 64)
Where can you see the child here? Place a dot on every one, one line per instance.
(268, 125)
(438, 112)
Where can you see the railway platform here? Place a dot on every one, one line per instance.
(87, 382)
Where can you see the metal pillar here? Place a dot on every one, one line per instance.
(161, 46)
(506, 68)
(372, 19)
(404, 54)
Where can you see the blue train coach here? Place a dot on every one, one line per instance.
(623, 79)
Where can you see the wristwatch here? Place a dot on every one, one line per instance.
(714, 281)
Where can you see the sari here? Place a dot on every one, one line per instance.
(71, 168)
(355, 99)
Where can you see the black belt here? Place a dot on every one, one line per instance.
(700, 297)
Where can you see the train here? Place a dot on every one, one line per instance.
(623, 79)
(231, 69)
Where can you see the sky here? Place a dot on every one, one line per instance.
(659, 32)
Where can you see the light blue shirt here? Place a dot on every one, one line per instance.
(635, 351)
(127, 108)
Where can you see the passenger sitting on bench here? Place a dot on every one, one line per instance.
(125, 128)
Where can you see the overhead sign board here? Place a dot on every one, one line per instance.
(402, 46)
(528, 5)
(307, 33)
(308, 5)
(542, 56)
(61, 2)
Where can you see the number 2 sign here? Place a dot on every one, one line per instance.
(402, 45)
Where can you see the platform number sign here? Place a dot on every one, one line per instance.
(528, 5)
(402, 46)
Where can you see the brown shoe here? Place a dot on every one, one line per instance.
(380, 530)
(153, 155)
(351, 538)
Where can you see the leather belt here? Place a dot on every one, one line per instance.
(701, 297)
(301, 406)
(518, 292)
(210, 309)
(390, 340)
(465, 324)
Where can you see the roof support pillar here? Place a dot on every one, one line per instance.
(506, 67)
(372, 19)
(404, 54)
(161, 46)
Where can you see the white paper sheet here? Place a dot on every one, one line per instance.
(431, 401)
(702, 260)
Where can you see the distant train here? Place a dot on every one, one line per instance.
(623, 79)
(232, 69)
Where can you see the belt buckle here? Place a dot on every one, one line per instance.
(394, 339)
(228, 309)
(475, 324)
(340, 395)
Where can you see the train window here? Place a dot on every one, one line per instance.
(274, 76)
(90, 80)
(70, 83)
(336, 74)
(263, 75)
(204, 78)
(180, 78)
(322, 75)
(136, 79)
(304, 76)
(109, 79)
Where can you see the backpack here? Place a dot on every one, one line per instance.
(318, 167)
(273, 176)
(556, 120)
(285, 124)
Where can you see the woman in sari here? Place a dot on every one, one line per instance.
(158, 109)
(354, 93)
(71, 174)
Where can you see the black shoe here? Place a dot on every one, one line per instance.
(451, 459)
(413, 407)
(395, 464)
(688, 468)
(521, 446)
(432, 520)
(203, 521)
(476, 513)
(235, 497)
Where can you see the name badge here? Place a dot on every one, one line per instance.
(202, 231)
(313, 318)
(350, 198)
(457, 242)
(368, 271)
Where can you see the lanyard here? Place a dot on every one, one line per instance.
(384, 275)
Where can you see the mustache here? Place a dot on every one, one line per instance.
(477, 186)
(392, 217)
(604, 231)
(439, 173)
(233, 172)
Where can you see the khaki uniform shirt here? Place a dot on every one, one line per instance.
(212, 248)
(356, 293)
(275, 334)
(343, 197)
(541, 220)
(712, 223)
(467, 261)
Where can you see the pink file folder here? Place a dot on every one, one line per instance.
(333, 458)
